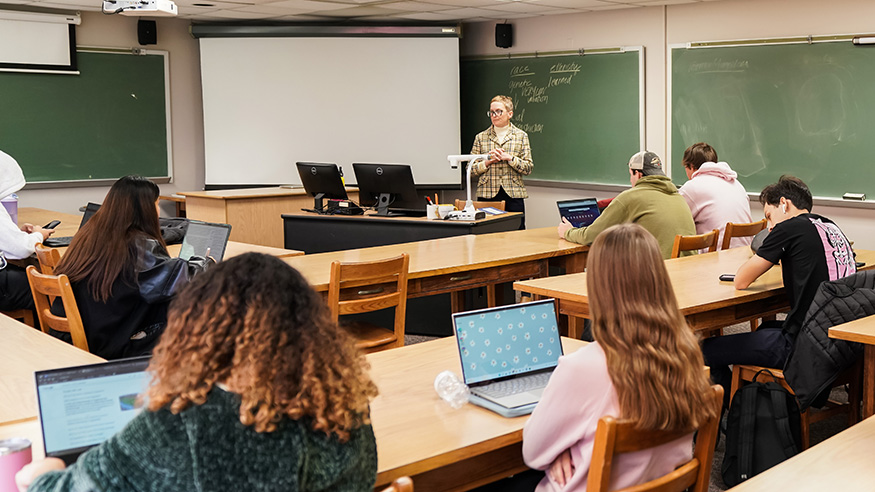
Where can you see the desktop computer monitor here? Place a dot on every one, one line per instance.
(321, 181)
(390, 188)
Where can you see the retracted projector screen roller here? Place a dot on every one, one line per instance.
(271, 102)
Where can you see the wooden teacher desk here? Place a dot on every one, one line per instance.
(417, 434)
(315, 233)
(863, 331)
(254, 213)
(70, 224)
(706, 302)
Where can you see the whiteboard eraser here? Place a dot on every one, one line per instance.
(854, 196)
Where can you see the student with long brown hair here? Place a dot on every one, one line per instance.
(645, 365)
(121, 273)
(254, 388)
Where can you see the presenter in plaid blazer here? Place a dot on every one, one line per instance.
(510, 158)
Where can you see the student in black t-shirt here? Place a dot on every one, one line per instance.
(811, 249)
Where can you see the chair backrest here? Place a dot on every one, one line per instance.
(615, 437)
(48, 259)
(370, 286)
(741, 230)
(403, 484)
(460, 204)
(43, 287)
(700, 241)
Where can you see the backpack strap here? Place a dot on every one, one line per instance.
(782, 418)
(746, 433)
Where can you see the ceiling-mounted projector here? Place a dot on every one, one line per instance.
(152, 8)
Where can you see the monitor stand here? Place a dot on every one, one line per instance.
(383, 206)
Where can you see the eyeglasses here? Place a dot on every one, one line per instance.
(497, 112)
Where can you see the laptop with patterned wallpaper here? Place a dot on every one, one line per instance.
(508, 354)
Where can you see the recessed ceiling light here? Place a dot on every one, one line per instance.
(203, 4)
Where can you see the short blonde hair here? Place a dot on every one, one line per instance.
(508, 102)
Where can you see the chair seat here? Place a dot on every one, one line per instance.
(369, 336)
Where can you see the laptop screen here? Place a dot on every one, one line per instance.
(580, 212)
(507, 340)
(80, 407)
(90, 210)
(203, 236)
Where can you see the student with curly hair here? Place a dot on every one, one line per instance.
(254, 388)
(645, 365)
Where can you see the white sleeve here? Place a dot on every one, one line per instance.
(15, 243)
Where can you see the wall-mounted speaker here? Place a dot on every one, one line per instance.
(147, 32)
(503, 35)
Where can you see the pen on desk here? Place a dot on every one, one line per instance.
(428, 199)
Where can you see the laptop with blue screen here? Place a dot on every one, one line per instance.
(580, 212)
(508, 354)
(82, 406)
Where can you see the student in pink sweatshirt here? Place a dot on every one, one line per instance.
(645, 365)
(714, 193)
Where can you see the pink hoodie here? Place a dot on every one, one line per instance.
(716, 197)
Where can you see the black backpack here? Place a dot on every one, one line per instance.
(763, 429)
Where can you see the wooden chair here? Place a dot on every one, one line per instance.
(615, 437)
(741, 230)
(48, 259)
(694, 243)
(403, 484)
(851, 377)
(460, 204)
(44, 287)
(371, 286)
(25, 315)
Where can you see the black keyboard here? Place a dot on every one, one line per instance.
(57, 242)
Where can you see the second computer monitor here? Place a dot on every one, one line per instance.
(388, 187)
(321, 181)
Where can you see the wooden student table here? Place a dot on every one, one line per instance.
(844, 461)
(254, 213)
(863, 331)
(706, 302)
(70, 224)
(417, 434)
(454, 264)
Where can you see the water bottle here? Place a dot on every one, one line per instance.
(451, 389)
(11, 205)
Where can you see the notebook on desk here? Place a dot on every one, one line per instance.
(202, 238)
(579, 212)
(62, 241)
(508, 354)
(82, 406)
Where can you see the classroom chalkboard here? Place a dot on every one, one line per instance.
(106, 122)
(801, 109)
(582, 113)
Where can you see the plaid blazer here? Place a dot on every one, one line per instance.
(506, 174)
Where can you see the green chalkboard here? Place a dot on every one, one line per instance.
(582, 113)
(106, 122)
(801, 109)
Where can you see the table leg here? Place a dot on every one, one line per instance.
(868, 381)
(575, 327)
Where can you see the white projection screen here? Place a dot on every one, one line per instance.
(270, 102)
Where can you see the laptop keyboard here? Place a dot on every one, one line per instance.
(515, 386)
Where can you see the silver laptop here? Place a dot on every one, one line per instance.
(580, 212)
(202, 238)
(82, 406)
(508, 354)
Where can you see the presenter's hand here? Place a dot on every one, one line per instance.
(562, 469)
(564, 226)
(30, 472)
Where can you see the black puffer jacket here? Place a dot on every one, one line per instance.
(816, 359)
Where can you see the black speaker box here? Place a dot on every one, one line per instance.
(147, 32)
(503, 35)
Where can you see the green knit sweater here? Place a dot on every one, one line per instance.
(206, 448)
(654, 204)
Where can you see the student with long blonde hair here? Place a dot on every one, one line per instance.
(645, 365)
(255, 388)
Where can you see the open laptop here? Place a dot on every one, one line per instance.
(508, 354)
(82, 406)
(62, 241)
(202, 237)
(580, 211)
